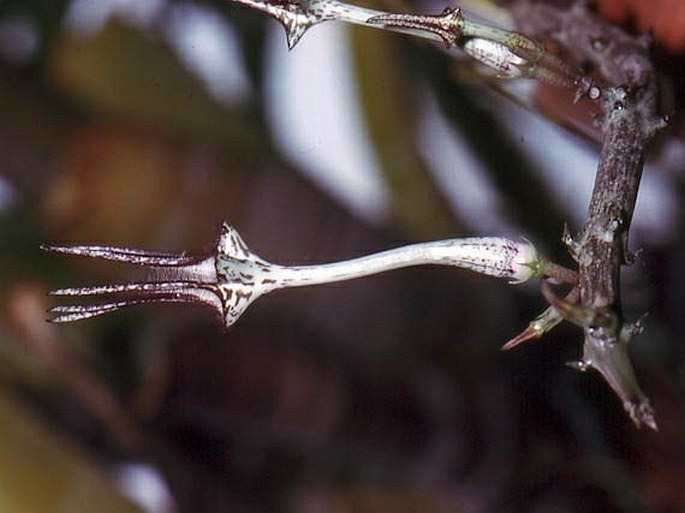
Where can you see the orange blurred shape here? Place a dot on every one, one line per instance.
(24, 309)
(114, 181)
(558, 104)
(664, 19)
(122, 184)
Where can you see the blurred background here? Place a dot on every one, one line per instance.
(145, 123)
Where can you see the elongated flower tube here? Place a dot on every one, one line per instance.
(231, 278)
(511, 54)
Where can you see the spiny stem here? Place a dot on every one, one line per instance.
(629, 104)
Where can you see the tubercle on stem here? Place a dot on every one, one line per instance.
(448, 25)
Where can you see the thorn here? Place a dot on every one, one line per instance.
(576, 313)
(632, 330)
(630, 257)
(586, 88)
(526, 335)
(570, 242)
(570, 311)
(641, 414)
(542, 324)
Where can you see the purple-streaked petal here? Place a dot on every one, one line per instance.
(128, 255)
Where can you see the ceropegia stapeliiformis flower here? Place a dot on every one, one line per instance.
(232, 277)
(510, 54)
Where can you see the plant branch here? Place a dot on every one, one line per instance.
(628, 100)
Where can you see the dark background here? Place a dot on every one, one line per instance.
(384, 394)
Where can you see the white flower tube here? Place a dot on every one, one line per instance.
(513, 260)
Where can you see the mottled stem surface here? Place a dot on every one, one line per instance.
(628, 100)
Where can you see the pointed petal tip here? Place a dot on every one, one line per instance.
(72, 313)
(292, 38)
(55, 249)
(65, 292)
(519, 339)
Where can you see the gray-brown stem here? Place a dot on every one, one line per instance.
(628, 101)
